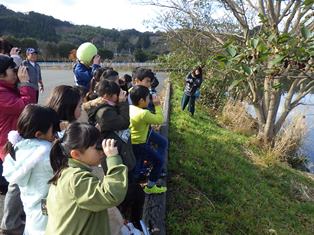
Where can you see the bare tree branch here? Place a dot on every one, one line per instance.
(251, 5)
(261, 7)
(294, 11)
(271, 10)
(284, 13)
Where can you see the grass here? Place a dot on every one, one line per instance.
(213, 188)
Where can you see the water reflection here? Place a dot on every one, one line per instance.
(307, 110)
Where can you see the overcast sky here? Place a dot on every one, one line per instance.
(118, 14)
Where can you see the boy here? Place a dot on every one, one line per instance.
(141, 119)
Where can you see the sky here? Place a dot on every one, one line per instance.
(118, 14)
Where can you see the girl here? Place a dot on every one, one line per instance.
(77, 201)
(67, 102)
(27, 163)
(192, 83)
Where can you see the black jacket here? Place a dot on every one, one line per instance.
(192, 84)
(114, 123)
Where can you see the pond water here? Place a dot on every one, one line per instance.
(307, 110)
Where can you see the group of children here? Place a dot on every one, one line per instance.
(50, 145)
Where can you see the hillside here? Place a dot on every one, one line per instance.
(50, 32)
(214, 187)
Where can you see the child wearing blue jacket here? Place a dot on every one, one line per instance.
(88, 61)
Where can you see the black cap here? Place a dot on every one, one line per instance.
(5, 63)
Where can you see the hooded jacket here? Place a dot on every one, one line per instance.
(31, 171)
(114, 122)
(12, 102)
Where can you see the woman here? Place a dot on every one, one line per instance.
(15, 94)
(193, 82)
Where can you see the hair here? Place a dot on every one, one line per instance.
(137, 93)
(5, 46)
(106, 87)
(32, 119)
(64, 100)
(5, 63)
(199, 68)
(127, 78)
(79, 136)
(97, 73)
(141, 73)
(110, 75)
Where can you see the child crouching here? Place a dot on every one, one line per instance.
(77, 201)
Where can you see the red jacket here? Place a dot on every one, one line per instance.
(12, 102)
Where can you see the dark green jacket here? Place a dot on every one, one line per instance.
(114, 123)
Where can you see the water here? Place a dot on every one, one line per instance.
(307, 110)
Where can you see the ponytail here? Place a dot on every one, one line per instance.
(58, 160)
(9, 149)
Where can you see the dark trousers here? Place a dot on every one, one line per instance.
(188, 100)
(132, 206)
(146, 152)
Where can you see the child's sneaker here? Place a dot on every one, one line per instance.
(155, 189)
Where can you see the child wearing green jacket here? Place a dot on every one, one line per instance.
(77, 201)
(141, 119)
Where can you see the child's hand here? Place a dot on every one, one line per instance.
(96, 59)
(122, 96)
(156, 100)
(109, 149)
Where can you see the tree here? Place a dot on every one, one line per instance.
(65, 48)
(105, 54)
(264, 48)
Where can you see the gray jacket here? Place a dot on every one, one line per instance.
(34, 73)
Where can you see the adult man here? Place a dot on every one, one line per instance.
(33, 70)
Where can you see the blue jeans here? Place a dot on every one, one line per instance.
(188, 100)
(157, 139)
(155, 156)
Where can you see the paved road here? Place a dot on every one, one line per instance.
(52, 78)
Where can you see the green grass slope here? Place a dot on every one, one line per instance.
(213, 188)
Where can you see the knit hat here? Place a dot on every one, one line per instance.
(5, 63)
(86, 52)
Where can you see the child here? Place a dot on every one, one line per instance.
(110, 112)
(77, 201)
(141, 119)
(147, 78)
(67, 102)
(87, 56)
(27, 163)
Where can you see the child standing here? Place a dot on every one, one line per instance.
(77, 201)
(110, 112)
(27, 163)
(141, 119)
(67, 102)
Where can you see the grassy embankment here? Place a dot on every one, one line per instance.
(214, 188)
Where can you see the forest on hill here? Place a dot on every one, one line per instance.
(55, 38)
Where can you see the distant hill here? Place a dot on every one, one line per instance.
(55, 38)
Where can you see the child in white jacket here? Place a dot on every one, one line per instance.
(28, 164)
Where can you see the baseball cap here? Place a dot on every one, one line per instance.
(5, 63)
(31, 51)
